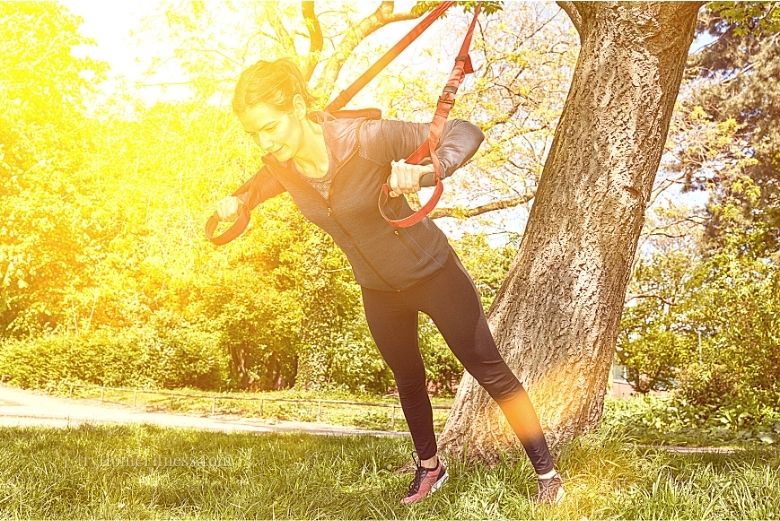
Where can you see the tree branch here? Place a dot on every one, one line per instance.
(315, 37)
(667, 235)
(574, 15)
(272, 15)
(217, 51)
(399, 17)
(460, 213)
(649, 295)
(382, 16)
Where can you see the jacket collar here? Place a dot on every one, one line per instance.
(340, 136)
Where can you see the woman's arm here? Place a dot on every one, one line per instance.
(385, 140)
(259, 188)
(262, 186)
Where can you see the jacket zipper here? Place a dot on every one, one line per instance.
(330, 210)
(406, 243)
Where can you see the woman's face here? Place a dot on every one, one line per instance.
(276, 132)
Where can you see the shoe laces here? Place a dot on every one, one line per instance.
(419, 474)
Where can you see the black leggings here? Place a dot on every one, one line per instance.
(451, 299)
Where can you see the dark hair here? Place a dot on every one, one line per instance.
(274, 83)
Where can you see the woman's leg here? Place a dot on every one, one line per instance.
(393, 325)
(452, 301)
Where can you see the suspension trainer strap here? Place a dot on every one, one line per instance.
(244, 193)
(428, 148)
(349, 93)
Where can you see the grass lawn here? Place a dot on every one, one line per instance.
(150, 472)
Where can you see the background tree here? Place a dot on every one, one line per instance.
(653, 343)
(737, 73)
(724, 144)
(43, 91)
(524, 56)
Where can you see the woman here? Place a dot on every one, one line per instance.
(334, 169)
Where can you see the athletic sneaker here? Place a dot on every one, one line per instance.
(550, 491)
(426, 481)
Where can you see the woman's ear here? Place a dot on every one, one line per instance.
(299, 106)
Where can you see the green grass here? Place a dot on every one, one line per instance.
(150, 472)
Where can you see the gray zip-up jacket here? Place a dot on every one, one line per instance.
(360, 151)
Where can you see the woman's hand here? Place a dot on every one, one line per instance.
(405, 177)
(228, 208)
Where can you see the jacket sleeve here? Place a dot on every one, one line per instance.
(260, 187)
(385, 140)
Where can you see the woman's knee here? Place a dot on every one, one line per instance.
(411, 384)
(496, 378)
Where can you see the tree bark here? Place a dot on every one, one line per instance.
(556, 316)
(238, 372)
(315, 37)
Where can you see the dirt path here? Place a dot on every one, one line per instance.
(26, 408)
(23, 408)
(683, 449)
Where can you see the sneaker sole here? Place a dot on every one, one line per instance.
(559, 496)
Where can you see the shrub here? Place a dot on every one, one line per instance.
(707, 385)
(133, 357)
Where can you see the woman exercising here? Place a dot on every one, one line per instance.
(334, 170)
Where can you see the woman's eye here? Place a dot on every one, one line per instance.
(266, 130)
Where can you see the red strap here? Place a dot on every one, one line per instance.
(349, 93)
(428, 147)
(237, 228)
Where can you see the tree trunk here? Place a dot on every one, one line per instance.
(556, 316)
(238, 372)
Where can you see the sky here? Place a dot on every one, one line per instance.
(109, 24)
